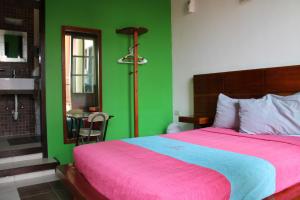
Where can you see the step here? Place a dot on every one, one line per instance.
(21, 158)
(27, 166)
(14, 151)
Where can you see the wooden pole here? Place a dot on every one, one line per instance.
(135, 31)
(135, 77)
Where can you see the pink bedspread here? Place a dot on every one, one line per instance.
(120, 170)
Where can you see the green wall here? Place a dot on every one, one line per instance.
(155, 78)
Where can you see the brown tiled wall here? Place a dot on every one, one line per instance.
(22, 9)
(9, 8)
(25, 124)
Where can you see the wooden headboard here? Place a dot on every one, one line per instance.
(242, 84)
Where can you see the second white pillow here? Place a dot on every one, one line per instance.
(270, 115)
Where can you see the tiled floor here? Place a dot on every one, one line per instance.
(5, 146)
(48, 191)
(23, 140)
(52, 190)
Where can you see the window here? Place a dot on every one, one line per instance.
(83, 62)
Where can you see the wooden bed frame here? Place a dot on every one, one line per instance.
(237, 84)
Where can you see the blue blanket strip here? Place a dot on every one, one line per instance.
(250, 177)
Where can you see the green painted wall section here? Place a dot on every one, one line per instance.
(155, 78)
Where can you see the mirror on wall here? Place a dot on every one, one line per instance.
(81, 78)
(13, 46)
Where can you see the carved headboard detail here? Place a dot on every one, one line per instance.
(242, 84)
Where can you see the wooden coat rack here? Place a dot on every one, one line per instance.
(135, 32)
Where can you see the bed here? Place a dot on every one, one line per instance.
(209, 163)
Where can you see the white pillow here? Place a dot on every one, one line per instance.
(270, 115)
(227, 115)
(294, 97)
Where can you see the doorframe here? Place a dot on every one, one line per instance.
(44, 140)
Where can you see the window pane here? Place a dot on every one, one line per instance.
(77, 47)
(77, 66)
(77, 84)
(89, 66)
(89, 47)
(88, 84)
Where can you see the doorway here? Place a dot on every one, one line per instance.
(22, 64)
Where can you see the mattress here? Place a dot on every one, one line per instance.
(209, 163)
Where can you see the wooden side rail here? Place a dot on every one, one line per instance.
(76, 182)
